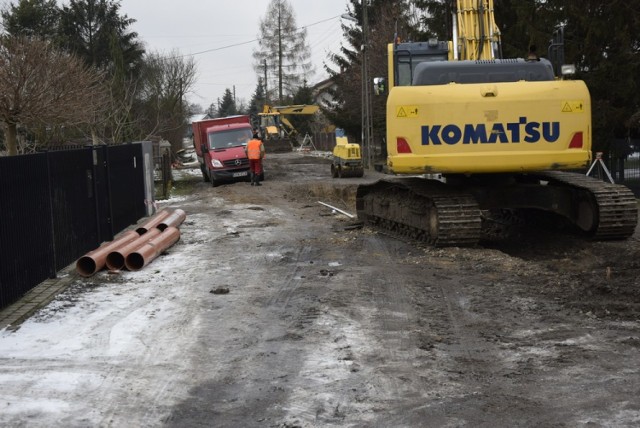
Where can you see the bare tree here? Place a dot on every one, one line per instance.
(166, 79)
(40, 85)
(283, 53)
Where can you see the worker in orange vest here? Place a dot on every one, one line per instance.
(255, 153)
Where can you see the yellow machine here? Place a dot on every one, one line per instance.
(278, 132)
(499, 134)
(347, 159)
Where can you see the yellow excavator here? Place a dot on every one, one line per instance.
(480, 144)
(278, 133)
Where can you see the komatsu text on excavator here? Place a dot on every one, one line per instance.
(496, 137)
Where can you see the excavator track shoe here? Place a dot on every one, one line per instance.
(421, 211)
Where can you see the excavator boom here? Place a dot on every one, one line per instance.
(291, 109)
(476, 35)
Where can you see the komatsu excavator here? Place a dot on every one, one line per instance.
(478, 141)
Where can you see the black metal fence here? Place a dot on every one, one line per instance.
(624, 163)
(56, 206)
(324, 141)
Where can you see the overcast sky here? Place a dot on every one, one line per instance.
(205, 29)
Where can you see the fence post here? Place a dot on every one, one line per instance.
(52, 240)
(166, 175)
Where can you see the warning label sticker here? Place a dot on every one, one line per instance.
(572, 106)
(407, 111)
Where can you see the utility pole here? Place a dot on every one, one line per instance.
(266, 91)
(365, 125)
(367, 129)
(280, 52)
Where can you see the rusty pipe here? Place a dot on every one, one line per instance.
(95, 260)
(153, 221)
(152, 249)
(175, 219)
(116, 258)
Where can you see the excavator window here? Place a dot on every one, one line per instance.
(409, 55)
(445, 72)
(407, 66)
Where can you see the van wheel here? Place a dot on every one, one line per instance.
(204, 174)
(340, 173)
(214, 182)
(334, 172)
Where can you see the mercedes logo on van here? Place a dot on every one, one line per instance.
(238, 161)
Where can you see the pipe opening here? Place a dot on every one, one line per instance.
(115, 261)
(86, 266)
(135, 261)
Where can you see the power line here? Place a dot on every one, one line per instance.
(251, 41)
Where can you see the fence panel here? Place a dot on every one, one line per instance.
(74, 204)
(26, 249)
(56, 206)
(324, 141)
(126, 178)
(101, 191)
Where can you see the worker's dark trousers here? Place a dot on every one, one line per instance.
(255, 168)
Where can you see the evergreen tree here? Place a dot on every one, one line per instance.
(258, 100)
(227, 105)
(212, 111)
(91, 28)
(603, 40)
(303, 123)
(283, 50)
(31, 18)
(386, 19)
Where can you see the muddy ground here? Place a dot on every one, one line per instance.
(328, 325)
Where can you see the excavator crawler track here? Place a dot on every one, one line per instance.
(614, 206)
(421, 211)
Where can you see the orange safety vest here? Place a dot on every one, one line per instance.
(254, 149)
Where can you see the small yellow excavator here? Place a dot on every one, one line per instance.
(347, 159)
(278, 133)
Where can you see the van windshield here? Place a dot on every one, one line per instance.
(231, 138)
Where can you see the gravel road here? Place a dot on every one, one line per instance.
(328, 324)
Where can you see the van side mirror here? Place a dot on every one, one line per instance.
(379, 85)
(203, 148)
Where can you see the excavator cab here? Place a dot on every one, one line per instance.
(408, 55)
(270, 126)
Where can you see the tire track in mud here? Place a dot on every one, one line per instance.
(264, 355)
(385, 292)
(292, 278)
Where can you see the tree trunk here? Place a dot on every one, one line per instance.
(94, 137)
(11, 134)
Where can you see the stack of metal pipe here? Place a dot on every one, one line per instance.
(134, 249)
